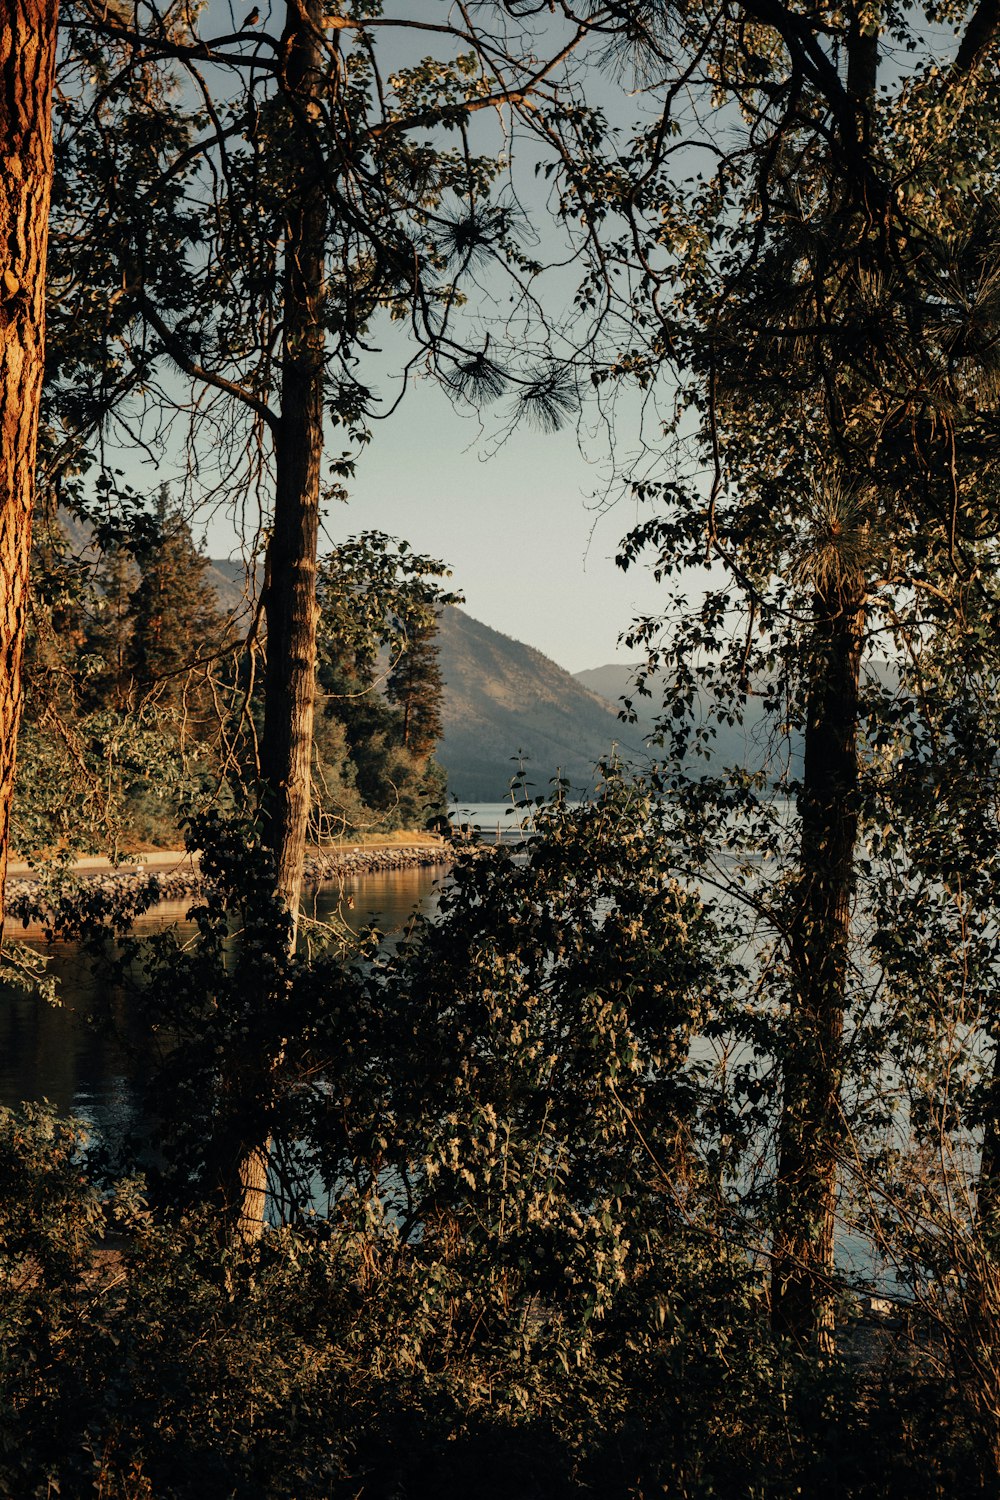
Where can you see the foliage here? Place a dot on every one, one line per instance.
(508, 1265)
(817, 299)
(523, 1161)
(116, 736)
(138, 703)
(380, 686)
(175, 186)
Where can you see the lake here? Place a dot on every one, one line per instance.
(53, 1053)
(49, 1052)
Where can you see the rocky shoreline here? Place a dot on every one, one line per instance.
(123, 894)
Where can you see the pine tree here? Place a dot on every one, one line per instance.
(27, 61)
(111, 629)
(416, 687)
(378, 598)
(176, 624)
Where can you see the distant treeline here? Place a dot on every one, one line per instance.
(143, 693)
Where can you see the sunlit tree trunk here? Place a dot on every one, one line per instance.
(27, 60)
(810, 1127)
(290, 581)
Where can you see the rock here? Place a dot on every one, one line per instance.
(122, 896)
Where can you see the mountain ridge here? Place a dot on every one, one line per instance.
(503, 697)
(505, 703)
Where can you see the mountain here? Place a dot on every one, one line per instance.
(615, 681)
(734, 744)
(229, 578)
(502, 697)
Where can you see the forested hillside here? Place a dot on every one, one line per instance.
(502, 698)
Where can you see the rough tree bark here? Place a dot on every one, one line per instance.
(809, 1131)
(290, 577)
(290, 582)
(802, 1300)
(27, 62)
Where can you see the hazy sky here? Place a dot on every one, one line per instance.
(522, 526)
(528, 525)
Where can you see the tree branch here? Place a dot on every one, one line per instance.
(980, 35)
(179, 354)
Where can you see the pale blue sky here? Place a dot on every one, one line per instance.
(521, 525)
(527, 525)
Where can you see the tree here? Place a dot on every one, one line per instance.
(813, 293)
(174, 615)
(326, 206)
(290, 578)
(333, 195)
(122, 687)
(27, 63)
(378, 672)
(415, 685)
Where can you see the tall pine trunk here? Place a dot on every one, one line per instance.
(810, 1127)
(27, 63)
(290, 577)
(290, 582)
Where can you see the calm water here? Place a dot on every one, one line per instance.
(495, 822)
(54, 1053)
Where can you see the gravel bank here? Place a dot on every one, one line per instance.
(126, 894)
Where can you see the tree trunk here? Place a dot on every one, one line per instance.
(27, 63)
(290, 583)
(979, 1350)
(809, 1132)
(290, 580)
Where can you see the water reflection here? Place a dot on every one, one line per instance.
(59, 1053)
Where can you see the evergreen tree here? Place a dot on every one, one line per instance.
(176, 623)
(378, 599)
(111, 629)
(416, 687)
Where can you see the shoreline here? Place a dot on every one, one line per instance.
(95, 888)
